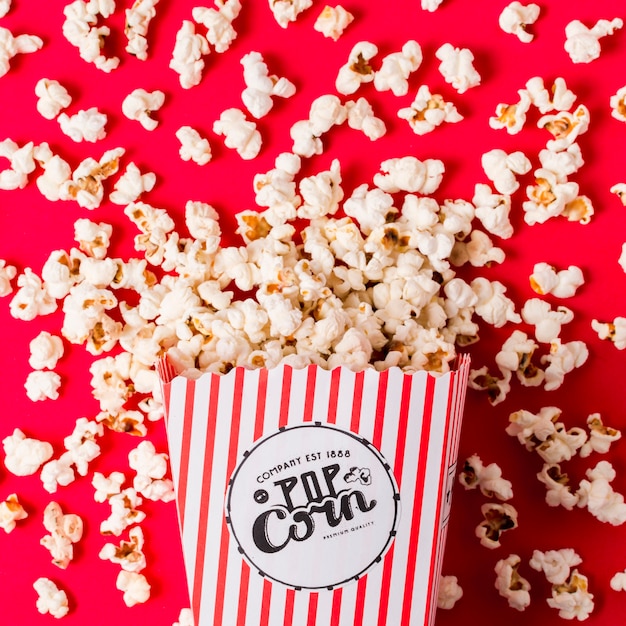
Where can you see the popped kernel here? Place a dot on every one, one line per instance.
(333, 21)
(449, 592)
(498, 519)
(131, 185)
(135, 587)
(614, 331)
(559, 98)
(511, 117)
(547, 321)
(562, 359)
(572, 598)
(597, 495)
(21, 164)
(515, 18)
(124, 512)
(129, 554)
(361, 117)
(427, 111)
(493, 211)
(555, 564)
(219, 23)
(501, 169)
(545, 279)
(600, 436)
(24, 455)
(140, 104)
(548, 197)
(618, 105)
(286, 11)
(65, 530)
(457, 67)
(136, 25)
(52, 98)
(86, 125)
(42, 385)
(50, 599)
(358, 69)
(93, 238)
(582, 43)
(239, 133)
(396, 68)
(488, 478)
(565, 127)
(558, 490)
(510, 584)
(11, 45)
(7, 274)
(187, 57)
(107, 486)
(45, 351)
(11, 512)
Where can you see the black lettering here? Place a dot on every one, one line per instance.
(287, 485)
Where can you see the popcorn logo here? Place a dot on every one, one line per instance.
(313, 494)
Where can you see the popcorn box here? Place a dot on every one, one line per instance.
(314, 497)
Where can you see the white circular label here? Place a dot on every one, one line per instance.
(313, 506)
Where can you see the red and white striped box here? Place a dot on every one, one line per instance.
(313, 497)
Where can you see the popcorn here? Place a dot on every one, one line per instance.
(582, 43)
(618, 105)
(618, 581)
(510, 584)
(193, 147)
(187, 55)
(137, 22)
(558, 492)
(23, 455)
(449, 592)
(11, 512)
(128, 554)
(600, 436)
(332, 21)
(81, 444)
(361, 117)
(45, 351)
(260, 86)
(562, 163)
(21, 164)
(131, 185)
(185, 618)
(555, 564)
(516, 17)
(492, 305)
(562, 359)
(239, 134)
(31, 298)
(511, 117)
(358, 69)
(614, 331)
(107, 486)
(597, 495)
(5, 7)
(516, 356)
(498, 519)
(572, 598)
(140, 104)
(409, 174)
(501, 169)
(547, 197)
(488, 478)
(65, 530)
(56, 173)
(493, 211)
(86, 125)
(530, 428)
(219, 24)
(135, 587)
(7, 274)
(286, 11)
(42, 385)
(619, 190)
(479, 251)
(431, 5)
(427, 111)
(53, 98)
(565, 127)
(547, 321)
(57, 473)
(124, 512)
(277, 189)
(457, 68)
(562, 284)
(50, 598)
(559, 98)
(11, 46)
(321, 193)
(397, 67)
(151, 468)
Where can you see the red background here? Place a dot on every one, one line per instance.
(31, 227)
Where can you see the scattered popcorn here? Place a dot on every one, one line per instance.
(582, 43)
(501, 168)
(10, 46)
(141, 104)
(409, 174)
(516, 356)
(193, 147)
(555, 564)
(565, 127)
(81, 444)
(31, 299)
(57, 473)
(511, 117)
(45, 351)
(332, 21)
(597, 495)
(488, 478)
(128, 554)
(56, 173)
(562, 359)
(107, 486)
(493, 211)
(239, 134)
(358, 69)
(562, 284)
(219, 24)
(131, 185)
(547, 197)
(492, 304)
(510, 584)
(87, 125)
(41, 385)
(151, 469)
(449, 592)
(135, 587)
(24, 456)
(286, 11)
(185, 618)
(614, 331)
(457, 67)
(7, 274)
(427, 111)
(498, 519)
(187, 59)
(396, 68)
(50, 599)
(261, 86)
(65, 530)
(516, 17)
(11, 511)
(547, 321)
(572, 598)
(138, 18)
(600, 436)
(21, 164)
(361, 117)
(124, 512)
(558, 491)
(618, 581)
(80, 29)
(53, 98)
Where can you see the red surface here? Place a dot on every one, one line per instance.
(30, 227)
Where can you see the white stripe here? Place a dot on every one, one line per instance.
(301, 607)
(176, 416)
(321, 396)
(324, 608)
(277, 606)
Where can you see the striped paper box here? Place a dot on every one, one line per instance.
(312, 497)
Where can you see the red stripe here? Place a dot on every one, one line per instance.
(265, 604)
(285, 397)
(290, 597)
(333, 395)
(167, 394)
(309, 394)
(403, 421)
(205, 494)
(232, 459)
(417, 503)
(312, 615)
(185, 447)
(357, 400)
(244, 579)
(335, 613)
(359, 608)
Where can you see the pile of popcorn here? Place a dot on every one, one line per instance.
(369, 279)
